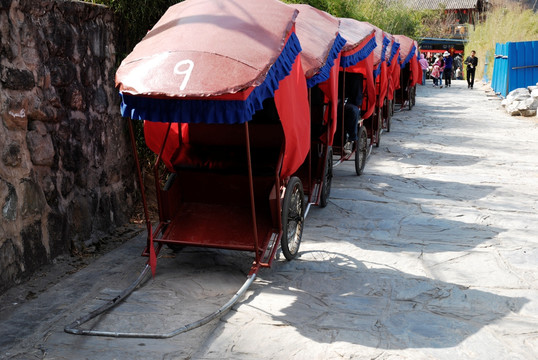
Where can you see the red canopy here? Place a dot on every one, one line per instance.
(319, 37)
(409, 54)
(417, 69)
(393, 65)
(358, 57)
(407, 49)
(244, 37)
(382, 41)
(388, 49)
(215, 62)
(321, 42)
(380, 65)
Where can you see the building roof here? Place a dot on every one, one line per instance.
(446, 4)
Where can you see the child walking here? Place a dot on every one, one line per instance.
(436, 73)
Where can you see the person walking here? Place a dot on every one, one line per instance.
(436, 73)
(424, 65)
(471, 62)
(441, 62)
(447, 73)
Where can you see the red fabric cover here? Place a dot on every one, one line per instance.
(366, 68)
(154, 134)
(382, 79)
(388, 50)
(394, 73)
(330, 89)
(291, 101)
(416, 68)
(316, 31)
(358, 34)
(382, 84)
(416, 71)
(250, 34)
(379, 36)
(406, 46)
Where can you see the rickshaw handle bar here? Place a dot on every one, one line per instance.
(73, 328)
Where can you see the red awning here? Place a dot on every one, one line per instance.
(321, 42)
(358, 56)
(215, 62)
(185, 52)
(318, 32)
(406, 48)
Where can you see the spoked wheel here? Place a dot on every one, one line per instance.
(327, 179)
(362, 151)
(292, 218)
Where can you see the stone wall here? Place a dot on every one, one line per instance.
(66, 170)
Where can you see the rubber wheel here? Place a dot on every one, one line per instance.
(327, 179)
(293, 208)
(362, 151)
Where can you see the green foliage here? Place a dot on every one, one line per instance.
(389, 15)
(393, 17)
(503, 24)
(338, 8)
(136, 18)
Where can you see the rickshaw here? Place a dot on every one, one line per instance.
(222, 93)
(356, 93)
(411, 73)
(381, 78)
(393, 79)
(321, 45)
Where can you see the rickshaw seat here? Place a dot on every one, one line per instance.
(222, 148)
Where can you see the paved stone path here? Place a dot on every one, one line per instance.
(431, 254)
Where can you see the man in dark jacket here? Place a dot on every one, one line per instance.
(471, 62)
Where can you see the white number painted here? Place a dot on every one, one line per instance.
(187, 72)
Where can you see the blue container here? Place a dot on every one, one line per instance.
(515, 66)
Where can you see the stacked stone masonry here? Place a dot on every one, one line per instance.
(65, 163)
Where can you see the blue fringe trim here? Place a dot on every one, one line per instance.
(324, 73)
(409, 56)
(394, 50)
(386, 42)
(213, 111)
(377, 71)
(360, 55)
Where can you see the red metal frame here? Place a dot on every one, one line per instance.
(224, 225)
